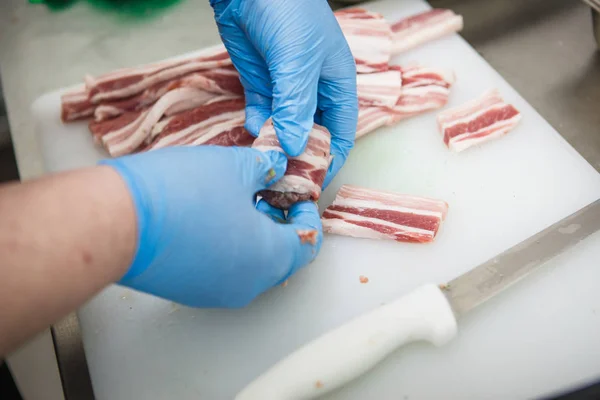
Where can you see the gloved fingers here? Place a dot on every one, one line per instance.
(249, 63)
(260, 169)
(294, 103)
(291, 38)
(258, 110)
(339, 153)
(275, 214)
(303, 235)
(338, 102)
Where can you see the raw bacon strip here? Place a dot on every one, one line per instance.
(131, 81)
(369, 37)
(380, 88)
(477, 121)
(413, 31)
(76, 105)
(416, 75)
(126, 139)
(418, 100)
(375, 214)
(219, 121)
(371, 118)
(304, 175)
(219, 81)
(423, 89)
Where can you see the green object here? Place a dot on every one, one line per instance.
(129, 7)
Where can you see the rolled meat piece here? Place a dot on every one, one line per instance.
(305, 173)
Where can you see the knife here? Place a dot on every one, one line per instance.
(429, 313)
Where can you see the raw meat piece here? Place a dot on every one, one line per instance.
(308, 236)
(218, 122)
(304, 175)
(423, 89)
(413, 31)
(380, 88)
(371, 118)
(477, 121)
(125, 134)
(131, 81)
(369, 37)
(76, 105)
(219, 81)
(415, 75)
(376, 214)
(418, 100)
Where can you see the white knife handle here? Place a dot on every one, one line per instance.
(345, 353)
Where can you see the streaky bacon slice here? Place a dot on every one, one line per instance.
(376, 214)
(418, 100)
(305, 173)
(76, 104)
(413, 31)
(379, 88)
(477, 121)
(223, 80)
(371, 118)
(126, 133)
(218, 122)
(423, 89)
(415, 75)
(369, 37)
(128, 82)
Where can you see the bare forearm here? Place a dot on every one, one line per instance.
(62, 239)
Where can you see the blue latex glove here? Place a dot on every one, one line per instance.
(201, 240)
(296, 66)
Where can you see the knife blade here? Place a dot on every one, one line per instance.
(429, 313)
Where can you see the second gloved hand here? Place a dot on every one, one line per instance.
(201, 241)
(293, 61)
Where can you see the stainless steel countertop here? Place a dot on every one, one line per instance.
(544, 48)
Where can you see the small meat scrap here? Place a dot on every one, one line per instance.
(477, 121)
(376, 214)
(305, 173)
(369, 37)
(418, 29)
(308, 236)
(363, 279)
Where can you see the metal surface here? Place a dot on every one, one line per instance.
(519, 39)
(483, 282)
(595, 4)
(596, 25)
(73, 367)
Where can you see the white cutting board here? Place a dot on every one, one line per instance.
(541, 336)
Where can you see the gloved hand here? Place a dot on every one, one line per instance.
(201, 240)
(293, 61)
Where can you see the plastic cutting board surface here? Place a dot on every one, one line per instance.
(542, 335)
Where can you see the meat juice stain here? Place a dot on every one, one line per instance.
(319, 384)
